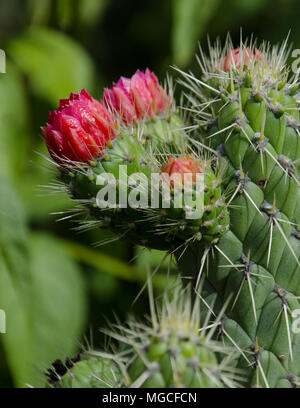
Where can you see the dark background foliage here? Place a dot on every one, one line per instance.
(55, 284)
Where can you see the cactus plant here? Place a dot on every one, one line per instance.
(84, 371)
(244, 110)
(249, 117)
(177, 350)
(174, 349)
(88, 141)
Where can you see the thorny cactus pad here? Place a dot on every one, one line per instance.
(84, 371)
(213, 219)
(109, 142)
(245, 109)
(175, 349)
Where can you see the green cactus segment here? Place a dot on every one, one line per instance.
(252, 122)
(150, 221)
(156, 227)
(164, 132)
(176, 350)
(214, 220)
(91, 372)
(135, 145)
(177, 363)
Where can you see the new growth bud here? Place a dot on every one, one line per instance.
(79, 129)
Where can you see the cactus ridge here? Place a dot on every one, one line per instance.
(250, 118)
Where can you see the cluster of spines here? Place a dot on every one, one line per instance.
(176, 347)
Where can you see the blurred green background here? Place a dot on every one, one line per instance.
(56, 286)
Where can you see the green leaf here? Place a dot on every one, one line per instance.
(91, 10)
(190, 19)
(58, 306)
(41, 293)
(55, 64)
(39, 201)
(153, 258)
(13, 123)
(106, 263)
(16, 340)
(13, 234)
(65, 12)
(39, 11)
(45, 322)
(113, 266)
(14, 263)
(247, 7)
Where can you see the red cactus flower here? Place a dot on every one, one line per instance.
(137, 97)
(182, 166)
(236, 58)
(79, 129)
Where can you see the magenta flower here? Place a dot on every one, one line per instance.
(79, 130)
(139, 97)
(236, 58)
(182, 166)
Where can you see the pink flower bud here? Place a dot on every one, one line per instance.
(139, 97)
(182, 166)
(79, 130)
(236, 58)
